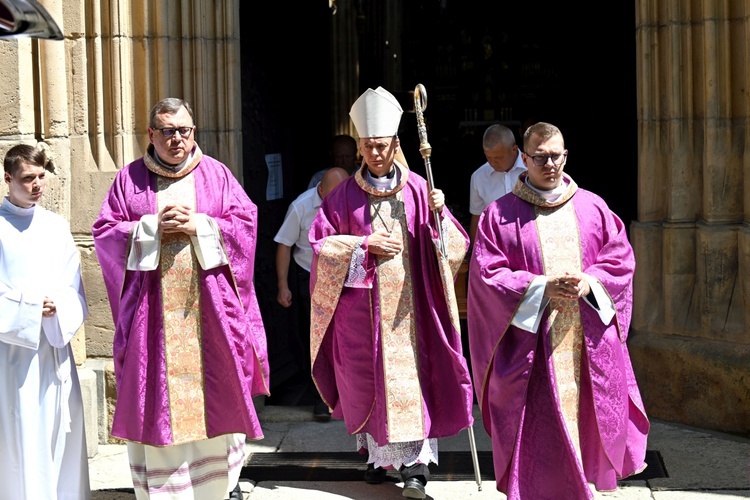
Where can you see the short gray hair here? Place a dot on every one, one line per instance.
(496, 135)
(170, 105)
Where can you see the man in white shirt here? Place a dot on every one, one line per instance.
(496, 177)
(294, 233)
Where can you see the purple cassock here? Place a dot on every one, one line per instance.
(547, 445)
(355, 328)
(229, 357)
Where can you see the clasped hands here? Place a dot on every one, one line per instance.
(49, 308)
(567, 286)
(177, 219)
(381, 242)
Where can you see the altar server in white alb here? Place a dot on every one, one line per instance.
(42, 305)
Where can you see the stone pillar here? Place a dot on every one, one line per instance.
(18, 123)
(190, 50)
(690, 341)
(344, 55)
(88, 98)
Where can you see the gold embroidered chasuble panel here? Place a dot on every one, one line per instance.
(333, 265)
(561, 251)
(397, 320)
(398, 330)
(181, 308)
(449, 265)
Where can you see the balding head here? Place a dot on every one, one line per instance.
(331, 178)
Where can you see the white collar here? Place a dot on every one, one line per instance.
(15, 209)
(552, 194)
(383, 183)
(179, 166)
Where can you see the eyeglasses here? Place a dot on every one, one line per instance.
(169, 132)
(541, 160)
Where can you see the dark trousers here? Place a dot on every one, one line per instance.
(420, 471)
(303, 308)
(303, 331)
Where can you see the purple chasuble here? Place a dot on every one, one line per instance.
(347, 352)
(232, 336)
(514, 374)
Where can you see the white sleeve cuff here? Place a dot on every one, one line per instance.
(207, 243)
(606, 309)
(21, 318)
(528, 315)
(357, 275)
(71, 312)
(145, 244)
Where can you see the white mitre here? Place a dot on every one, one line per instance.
(376, 114)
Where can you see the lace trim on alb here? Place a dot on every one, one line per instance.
(355, 278)
(394, 455)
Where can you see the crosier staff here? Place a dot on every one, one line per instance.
(420, 104)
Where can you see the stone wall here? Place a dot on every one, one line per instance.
(691, 324)
(87, 98)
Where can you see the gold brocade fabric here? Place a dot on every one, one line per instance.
(559, 239)
(398, 330)
(182, 323)
(449, 264)
(396, 303)
(333, 264)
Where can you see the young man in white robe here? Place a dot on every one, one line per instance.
(42, 305)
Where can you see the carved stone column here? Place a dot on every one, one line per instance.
(690, 339)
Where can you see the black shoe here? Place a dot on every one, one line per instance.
(236, 493)
(320, 412)
(413, 488)
(420, 471)
(375, 475)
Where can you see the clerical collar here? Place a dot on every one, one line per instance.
(174, 168)
(389, 175)
(384, 183)
(550, 195)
